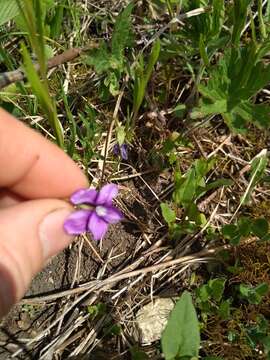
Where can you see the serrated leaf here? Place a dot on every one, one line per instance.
(122, 36)
(205, 109)
(181, 336)
(99, 58)
(232, 83)
(240, 17)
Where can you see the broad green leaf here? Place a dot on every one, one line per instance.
(190, 186)
(254, 295)
(231, 233)
(217, 288)
(224, 310)
(260, 227)
(186, 192)
(262, 289)
(203, 293)
(8, 10)
(205, 109)
(259, 114)
(167, 213)
(137, 354)
(181, 336)
(244, 226)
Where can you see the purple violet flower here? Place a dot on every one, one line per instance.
(96, 211)
(121, 150)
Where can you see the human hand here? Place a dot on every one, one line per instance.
(34, 174)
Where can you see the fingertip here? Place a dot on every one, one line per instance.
(40, 169)
(31, 233)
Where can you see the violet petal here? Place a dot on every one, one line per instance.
(106, 194)
(113, 215)
(87, 196)
(77, 222)
(97, 226)
(124, 151)
(116, 149)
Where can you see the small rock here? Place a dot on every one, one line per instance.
(152, 318)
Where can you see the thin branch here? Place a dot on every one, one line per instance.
(11, 77)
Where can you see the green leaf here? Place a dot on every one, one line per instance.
(215, 184)
(262, 289)
(167, 213)
(260, 227)
(47, 104)
(206, 108)
(236, 78)
(142, 77)
(99, 58)
(224, 310)
(120, 134)
(8, 11)
(240, 15)
(258, 166)
(181, 336)
(216, 287)
(122, 36)
(231, 233)
(137, 354)
(259, 114)
(186, 192)
(253, 295)
(203, 293)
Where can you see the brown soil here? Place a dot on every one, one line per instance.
(26, 321)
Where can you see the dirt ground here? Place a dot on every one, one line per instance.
(26, 321)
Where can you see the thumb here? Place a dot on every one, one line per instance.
(30, 233)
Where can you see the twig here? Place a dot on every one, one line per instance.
(94, 285)
(11, 77)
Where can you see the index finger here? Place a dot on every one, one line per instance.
(32, 166)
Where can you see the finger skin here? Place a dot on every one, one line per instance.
(33, 166)
(7, 198)
(22, 251)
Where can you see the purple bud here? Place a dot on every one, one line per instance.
(116, 150)
(124, 151)
(121, 150)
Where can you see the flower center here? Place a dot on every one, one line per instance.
(101, 210)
